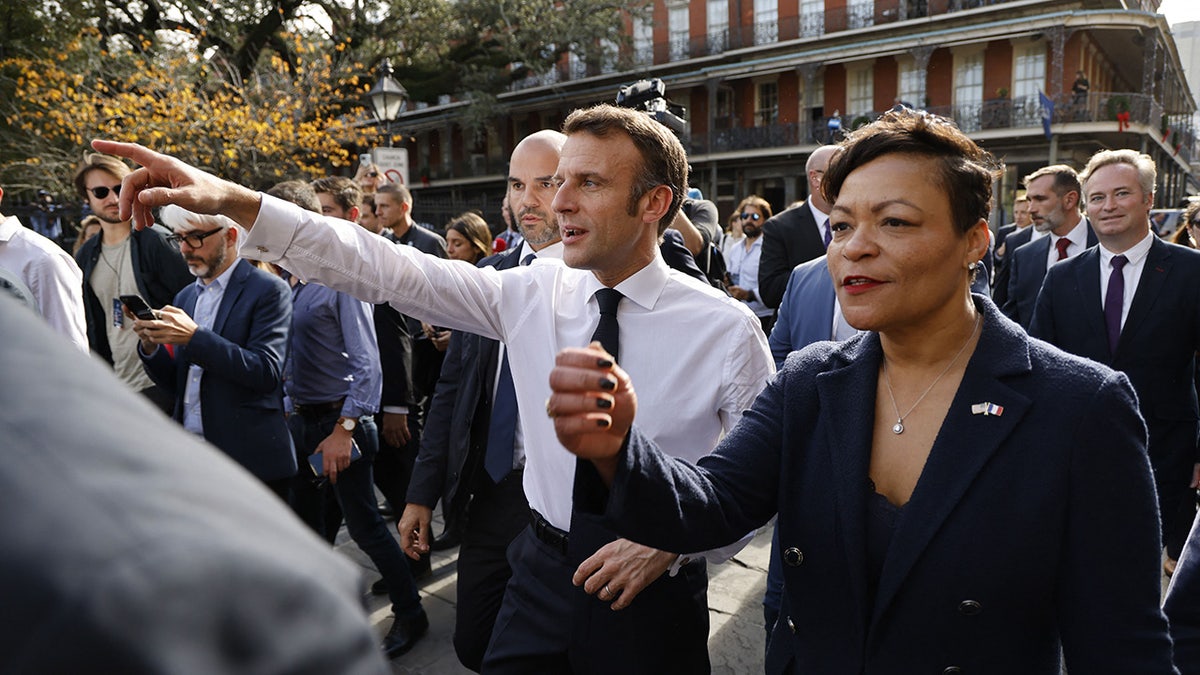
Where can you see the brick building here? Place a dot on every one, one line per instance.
(761, 79)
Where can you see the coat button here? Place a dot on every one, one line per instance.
(969, 607)
(952, 670)
(791, 626)
(793, 557)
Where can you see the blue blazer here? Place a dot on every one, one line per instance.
(1026, 269)
(1023, 533)
(806, 311)
(241, 393)
(1158, 343)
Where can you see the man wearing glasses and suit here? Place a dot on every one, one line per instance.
(230, 333)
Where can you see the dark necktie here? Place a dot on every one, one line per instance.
(1114, 302)
(1062, 245)
(502, 427)
(828, 233)
(607, 331)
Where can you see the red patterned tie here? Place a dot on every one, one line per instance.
(1062, 245)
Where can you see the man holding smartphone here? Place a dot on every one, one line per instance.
(230, 334)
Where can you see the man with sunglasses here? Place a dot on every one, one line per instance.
(743, 262)
(230, 333)
(122, 262)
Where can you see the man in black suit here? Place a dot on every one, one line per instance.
(393, 211)
(1010, 238)
(1053, 194)
(230, 335)
(485, 503)
(1133, 303)
(133, 547)
(797, 234)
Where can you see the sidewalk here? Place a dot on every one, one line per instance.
(735, 591)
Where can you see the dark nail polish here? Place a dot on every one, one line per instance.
(603, 403)
(604, 363)
(603, 422)
(607, 384)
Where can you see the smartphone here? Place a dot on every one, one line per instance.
(316, 461)
(138, 306)
(364, 159)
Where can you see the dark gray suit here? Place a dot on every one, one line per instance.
(449, 468)
(790, 237)
(131, 546)
(1011, 243)
(1156, 349)
(1027, 268)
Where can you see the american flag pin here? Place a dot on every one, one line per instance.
(987, 409)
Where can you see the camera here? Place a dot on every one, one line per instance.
(649, 96)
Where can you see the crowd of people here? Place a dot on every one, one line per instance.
(978, 444)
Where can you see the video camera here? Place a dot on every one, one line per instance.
(649, 96)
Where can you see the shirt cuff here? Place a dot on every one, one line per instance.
(273, 230)
(396, 409)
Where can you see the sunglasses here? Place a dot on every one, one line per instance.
(372, 174)
(102, 191)
(193, 239)
(751, 216)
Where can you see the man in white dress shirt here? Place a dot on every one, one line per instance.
(621, 179)
(50, 273)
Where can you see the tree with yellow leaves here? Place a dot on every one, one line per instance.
(287, 120)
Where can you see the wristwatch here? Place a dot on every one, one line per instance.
(348, 423)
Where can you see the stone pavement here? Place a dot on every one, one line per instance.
(735, 590)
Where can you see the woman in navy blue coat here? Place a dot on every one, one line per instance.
(953, 496)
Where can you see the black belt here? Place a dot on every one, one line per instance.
(547, 533)
(318, 409)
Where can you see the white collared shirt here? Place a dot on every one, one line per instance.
(1132, 272)
(697, 357)
(819, 216)
(1078, 238)
(51, 275)
(208, 301)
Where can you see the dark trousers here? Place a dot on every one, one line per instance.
(355, 494)
(548, 625)
(394, 465)
(496, 515)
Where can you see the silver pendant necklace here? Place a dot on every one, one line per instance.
(898, 427)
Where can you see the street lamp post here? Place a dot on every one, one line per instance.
(388, 98)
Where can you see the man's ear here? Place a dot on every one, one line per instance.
(353, 214)
(658, 201)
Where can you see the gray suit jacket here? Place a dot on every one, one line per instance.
(131, 546)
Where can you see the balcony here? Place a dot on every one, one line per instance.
(1022, 113)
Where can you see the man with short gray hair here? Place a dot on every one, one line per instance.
(229, 331)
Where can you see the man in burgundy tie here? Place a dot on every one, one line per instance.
(1133, 303)
(1053, 194)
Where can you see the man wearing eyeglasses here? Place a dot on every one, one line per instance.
(122, 262)
(230, 331)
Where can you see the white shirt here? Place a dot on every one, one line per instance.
(743, 272)
(1078, 238)
(697, 356)
(50, 273)
(819, 216)
(1136, 256)
(208, 301)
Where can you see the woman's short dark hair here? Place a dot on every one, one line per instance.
(965, 171)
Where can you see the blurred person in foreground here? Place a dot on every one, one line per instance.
(131, 546)
(949, 491)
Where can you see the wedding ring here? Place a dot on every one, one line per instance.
(607, 591)
(549, 413)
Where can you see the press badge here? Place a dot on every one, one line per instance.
(118, 315)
